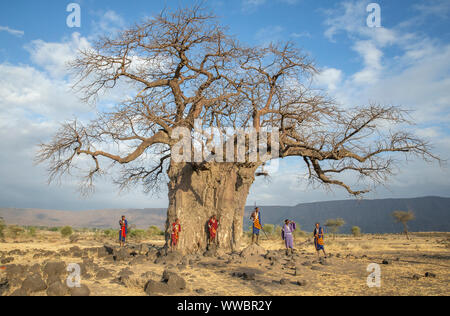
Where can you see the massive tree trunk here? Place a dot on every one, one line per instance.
(195, 194)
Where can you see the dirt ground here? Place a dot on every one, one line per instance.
(345, 273)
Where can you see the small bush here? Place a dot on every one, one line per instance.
(137, 233)
(269, 229)
(356, 231)
(109, 233)
(32, 231)
(154, 231)
(66, 231)
(2, 227)
(14, 231)
(300, 233)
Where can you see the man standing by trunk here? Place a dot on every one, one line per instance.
(213, 225)
(123, 223)
(175, 236)
(257, 225)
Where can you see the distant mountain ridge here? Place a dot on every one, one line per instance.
(372, 216)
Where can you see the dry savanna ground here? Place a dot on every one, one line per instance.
(36, 267)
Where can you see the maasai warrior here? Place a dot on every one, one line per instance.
(213, 224)
(123, 223)
(176, 229)
(318, 240)
(257, 225)
(287, 235)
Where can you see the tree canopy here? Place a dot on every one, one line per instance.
(182, 66)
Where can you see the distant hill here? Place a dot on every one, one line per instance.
(372, 216)
(83, 219)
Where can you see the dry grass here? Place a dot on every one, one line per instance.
(346, 275)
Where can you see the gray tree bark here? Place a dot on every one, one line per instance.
(195, 195)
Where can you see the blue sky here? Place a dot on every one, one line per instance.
(405, 62)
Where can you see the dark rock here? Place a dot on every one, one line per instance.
(152, 254)
(7, 260)
(416, 277)
(154, 288)
(284, 281)
(324, 262)
(54, 269)
(74, 238)
(200, 291)
(174, 281)
(20, 292)
(121, 254)
(302, 283)
(125, 273)
(34, 283)
(385, 261)
(15, 272)
(103, 274)
(149, 275)
(171, 283)
(57, 289)
(430, 275)
(36, 268)
(80, 291)
(4, 286)
(252, 251)
(53, 279)
(174, 257)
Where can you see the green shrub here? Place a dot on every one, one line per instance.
(109, 232)
(269, 229)
(14, 231)
(32, 231)
(66, 231)
(356, 231)
(137, 233)
(53, 229)
(300, 233)
(334, 225)
(154, 231)
(2, 227)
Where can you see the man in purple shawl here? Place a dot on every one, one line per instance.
(287, 234)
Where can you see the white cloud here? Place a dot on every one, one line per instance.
(300, 34)
(372, 62)
(330, 78)
(109, 22)
(11, 31)
(53, 57)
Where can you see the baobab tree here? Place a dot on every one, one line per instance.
(403, 217)
(182, 71)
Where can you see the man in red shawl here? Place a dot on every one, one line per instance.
(176, 229)
(213, 224)
(123, 223)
